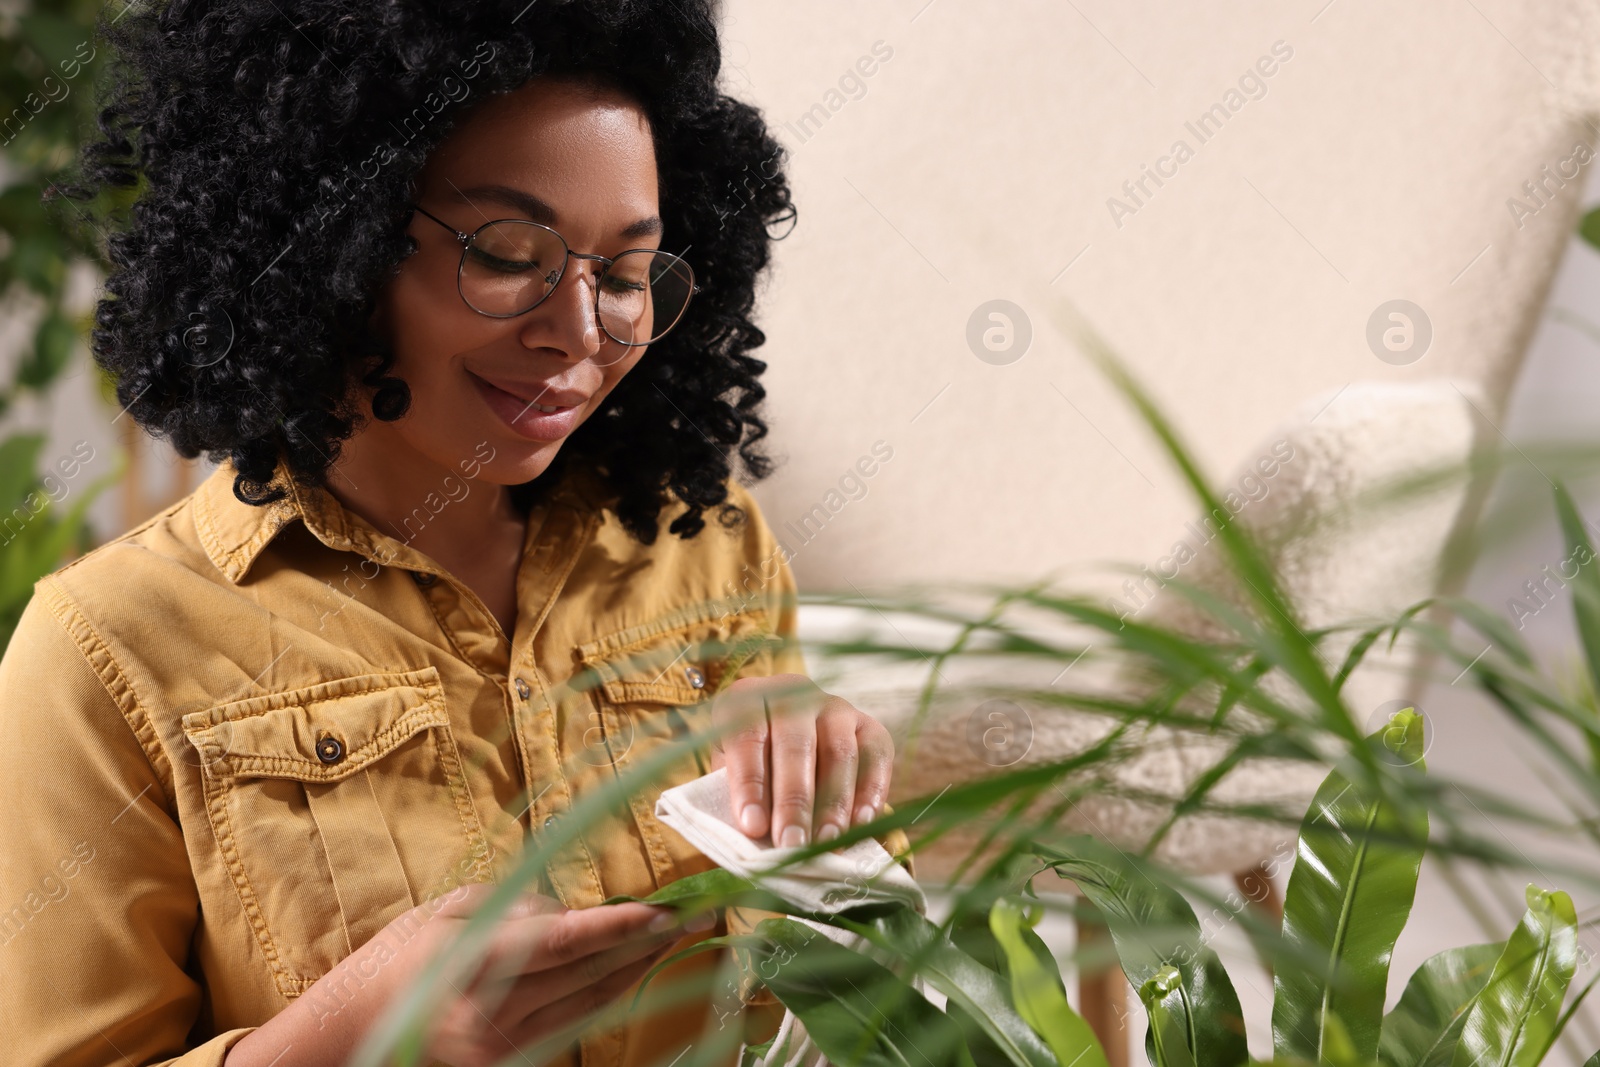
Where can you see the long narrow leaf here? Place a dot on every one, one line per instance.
(1349, 895)
(857, 1011)
(968, 983)
(1585, 585)
(1154, 930)
(1424, 1027)
(1511, 1023)
(1038, 993)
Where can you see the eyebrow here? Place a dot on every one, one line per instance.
(539, 211)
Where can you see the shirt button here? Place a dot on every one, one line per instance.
(423, 578)
(523, 689)
(696, 679)
(329, 750)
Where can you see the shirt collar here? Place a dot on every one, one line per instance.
(234, 533)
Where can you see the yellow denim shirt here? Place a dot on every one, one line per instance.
(236, 741)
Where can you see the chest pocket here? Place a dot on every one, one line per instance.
(336, 807)
(650, 686)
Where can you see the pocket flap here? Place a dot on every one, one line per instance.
(355, 721)
(680, 659)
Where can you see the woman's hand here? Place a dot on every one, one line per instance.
(548, 971)
(801, 763)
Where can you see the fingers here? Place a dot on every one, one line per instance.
(569, 1013)
(837, 759)
(531, 943)
(794, 775)
(512, 1000)
(876, 755)
(744, 751)
(803, 765)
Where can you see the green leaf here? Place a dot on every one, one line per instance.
(1354, 878)
(978, 992)
(1038, 994)
(19, 465)
(856, 1010)
(52, 351)
(1154, 930)
(1514, 1017)
(716, 884)
(1589, 228)
(1339, 1050)
(1170, 1013)
(1585, 585)
(37, 260)
(1424, 1027)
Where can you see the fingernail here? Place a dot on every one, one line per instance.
(662, 922)
(864, 814)
(794, 836)
(828, 832)
(701, 922)
(750, 819)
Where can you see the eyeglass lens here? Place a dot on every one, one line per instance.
(510, 266)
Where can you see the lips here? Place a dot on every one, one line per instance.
(535, 392)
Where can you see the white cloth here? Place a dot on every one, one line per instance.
(863, 873)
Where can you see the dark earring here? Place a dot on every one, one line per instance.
(391, 400)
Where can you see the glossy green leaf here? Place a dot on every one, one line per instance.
(1038, 994)
(1348, 898)
(1154, 929)
(856, 1010)
(982, 995)
(714, 885)
(1425, 1025)
(1170, 1015)
(1338, 1050)
(1512, 1021)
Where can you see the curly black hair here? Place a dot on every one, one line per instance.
(276, 142)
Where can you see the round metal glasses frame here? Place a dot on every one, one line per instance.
(467, 240)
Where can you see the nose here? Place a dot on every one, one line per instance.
(566, 320)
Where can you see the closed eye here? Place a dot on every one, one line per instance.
(499, 265)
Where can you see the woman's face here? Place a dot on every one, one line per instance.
(583, 164)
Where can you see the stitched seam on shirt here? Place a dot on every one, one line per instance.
(205, 529)
(217, 802)
(450, 636)
(127, 535)
(466, 809)
(614, 680)
(598, 886)
(632, 637)
(116, 685)
(406, 726)
(292, 698)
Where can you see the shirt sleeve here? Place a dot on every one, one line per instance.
(100, 904)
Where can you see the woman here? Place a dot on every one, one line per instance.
(462, 306)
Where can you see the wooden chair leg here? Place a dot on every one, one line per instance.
(1256, 886)
(1103, 996)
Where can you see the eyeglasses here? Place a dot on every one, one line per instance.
(509, 266)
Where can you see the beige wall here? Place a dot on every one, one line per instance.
(976, 162)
